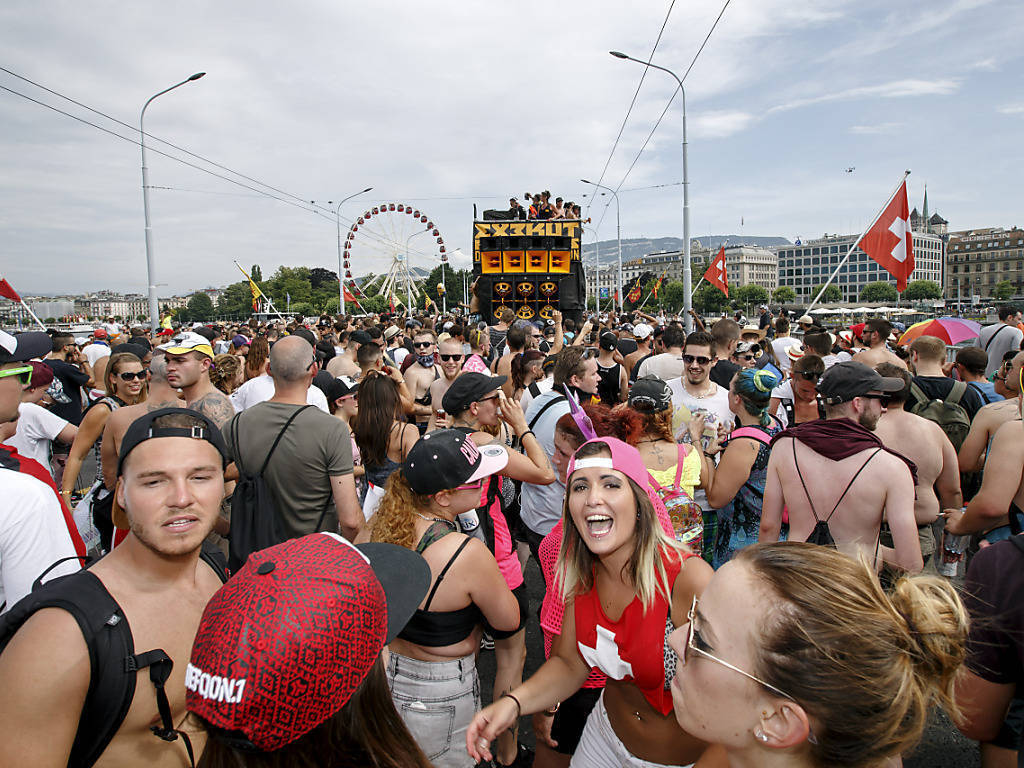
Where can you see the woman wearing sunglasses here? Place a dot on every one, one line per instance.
(794, 656)
(796, 400)
(125, 382)
(432, 664)
(626, 585)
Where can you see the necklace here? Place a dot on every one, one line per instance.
(708, 391)
(450, 523)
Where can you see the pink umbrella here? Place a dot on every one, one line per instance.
(951, 330)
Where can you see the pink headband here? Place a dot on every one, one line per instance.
(625, 459)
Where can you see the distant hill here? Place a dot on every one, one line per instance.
(635, 248)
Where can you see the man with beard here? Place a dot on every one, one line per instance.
(189, 359)
(58, 688)
(451, 366)
(836, 478)
(421, 374)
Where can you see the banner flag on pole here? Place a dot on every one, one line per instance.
(7, 291)
(890, 242)
(716, 272)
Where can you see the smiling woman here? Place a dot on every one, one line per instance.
(626, 586)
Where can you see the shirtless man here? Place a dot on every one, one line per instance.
(421, 374)
(876, 333)
(989, 419)
(923, 442)
(451, 365)
(171, 487)
(643, 334)
(829, 475)
(345, 364)
(189, 358)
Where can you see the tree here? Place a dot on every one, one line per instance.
(256, 274)
(707, 300)
(880, 290)
(832, 293)
(919, 290)
(749, 295)
(1001, 291)
(783, 295)
(671, 296)
(200, 307)
(235, 301)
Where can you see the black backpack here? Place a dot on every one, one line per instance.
(253, 507)
(114, 664)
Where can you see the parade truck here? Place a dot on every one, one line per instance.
(533, 267)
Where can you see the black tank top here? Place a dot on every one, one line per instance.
(608, 386)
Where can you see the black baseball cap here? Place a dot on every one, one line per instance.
(608, 340)
(361, 337)
(24, 346)
(142, 429)
(844, 381)
(447, 458)
(339, 387)
(469, 388)
(649, 394)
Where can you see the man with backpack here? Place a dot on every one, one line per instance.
(836, 478)
(92, 665)
(294, 461)
(999, 338)
(950, 404)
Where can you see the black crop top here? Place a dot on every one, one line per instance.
(434, 629)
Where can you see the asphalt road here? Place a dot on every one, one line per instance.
(942, 746)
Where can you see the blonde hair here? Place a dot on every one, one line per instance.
(113, 363)
(866, 666)
(393, 522)
(645, 571)
(224, 372)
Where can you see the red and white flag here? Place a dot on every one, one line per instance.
(716, 272)
(889, 240)
(7, 292)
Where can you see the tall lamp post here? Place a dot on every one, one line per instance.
(618, 232)
(408, 267)
(341, 275)
(597, 258)
(154, 309)
(687, 277)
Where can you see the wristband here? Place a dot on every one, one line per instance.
(527, 432)
(710, 455)
(519, 707)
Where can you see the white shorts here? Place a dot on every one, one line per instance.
(599, 747)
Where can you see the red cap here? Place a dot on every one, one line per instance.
(858, 329)
(286, 642)
(100, 333)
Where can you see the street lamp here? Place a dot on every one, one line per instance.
(154, 310)
(408, 267)
(597, 258)
(341, 275)
(618, 233)
(687, 277)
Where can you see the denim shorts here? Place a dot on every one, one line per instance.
(437, 701)
(599, 747)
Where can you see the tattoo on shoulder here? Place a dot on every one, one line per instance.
(215, 406)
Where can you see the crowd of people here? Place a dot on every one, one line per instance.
(539, 206)
(288, 543)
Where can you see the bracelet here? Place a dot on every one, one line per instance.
(554, 710)
(527, 432)
(710, 455)
(519, 707)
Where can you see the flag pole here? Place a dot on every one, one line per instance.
(657, 283)
(696, 287)
(269, 301)
(856, 242)
(31, 313)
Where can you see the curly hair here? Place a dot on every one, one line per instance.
(224, 372)
(394, 521)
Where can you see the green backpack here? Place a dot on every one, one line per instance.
(948, 413)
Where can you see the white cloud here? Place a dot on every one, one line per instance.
(895, 89)
(876, 129)
(1011, 109)
(719, 125)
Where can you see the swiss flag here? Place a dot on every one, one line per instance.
(7, 292)
(716, 272)
(889, 241)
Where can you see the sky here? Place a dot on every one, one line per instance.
(449, 104)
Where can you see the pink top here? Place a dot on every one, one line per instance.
(474, 364)
(504, 550)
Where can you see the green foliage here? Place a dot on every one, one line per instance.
(303, 308)
(1001, 291)
(200, 308)
(235, 301)
(919, 290)
(880, 290)
(784, 295)
(256, 274)
(452, 285)
(832, 294)
(708, 299)
(749, 295)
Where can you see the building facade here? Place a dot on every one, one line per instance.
(978, 260)
(751, 265)
(806, 265)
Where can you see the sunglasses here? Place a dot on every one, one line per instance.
(24, 374)
(132, 375)
(485, 399)
(807, 375)
(449, 358)
(694, 641)
(423, 344)
(699, 359)
(883, 399)
(744, 357)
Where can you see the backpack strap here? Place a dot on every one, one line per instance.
(684, 451)
(160, 666)
(981, 393)
(280, 434)
(918, 394)
(993, 336)
(547, 405)
(1018, 542)
(850, 484)
(800, 475)
(754, 433)
(958, 391)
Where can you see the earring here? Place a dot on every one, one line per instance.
(760, 735)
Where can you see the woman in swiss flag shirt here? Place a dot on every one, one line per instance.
(626, 586)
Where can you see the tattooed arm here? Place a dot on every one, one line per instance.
(215, 406)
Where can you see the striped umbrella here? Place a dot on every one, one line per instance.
(951, 330)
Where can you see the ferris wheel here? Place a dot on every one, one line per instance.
(385, 236)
